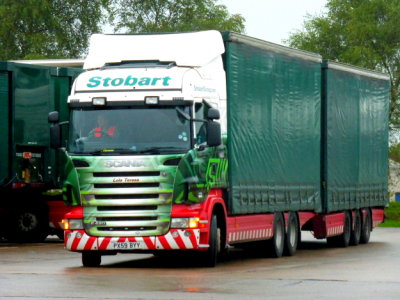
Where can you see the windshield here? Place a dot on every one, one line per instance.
(130, 130)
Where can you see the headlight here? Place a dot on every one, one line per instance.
(71, 224)
(185, 222)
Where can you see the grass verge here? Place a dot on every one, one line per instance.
(392, 213)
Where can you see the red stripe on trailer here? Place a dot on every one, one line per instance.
(304, 217)
(334, 224)
(250, 228)
(328, 225)
(378, 216)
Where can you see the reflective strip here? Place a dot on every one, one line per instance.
(82, 242)
(171, 241)
(181, 241)
(248, 235)
(336, 230)
(165, 242)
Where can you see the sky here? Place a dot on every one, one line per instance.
(273, 20)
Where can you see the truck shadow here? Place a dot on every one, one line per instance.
(234, 255)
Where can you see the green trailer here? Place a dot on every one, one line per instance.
(274, 127)
(30, 173)
(354, 137)
(303, 134)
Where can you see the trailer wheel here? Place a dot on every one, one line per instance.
(210, 257)
(342, 240)
(356, 230)
(91, 259)
(366, 227)
(27, 225)
(292, 235)
(277, 243)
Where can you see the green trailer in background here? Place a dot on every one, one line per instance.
(31, 205)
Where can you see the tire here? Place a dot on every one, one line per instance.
(210, 257)
(276, 245)
(366, 227)
(292, 235)
(91, 259)
(356, 229)
(342, 240)
(27, 225)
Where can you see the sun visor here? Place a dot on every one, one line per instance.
(194, 49)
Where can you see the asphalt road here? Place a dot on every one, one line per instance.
(47, 271)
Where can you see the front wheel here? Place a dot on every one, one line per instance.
(91, 259)
(210, 257)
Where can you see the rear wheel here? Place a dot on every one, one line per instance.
(91, 259)
(292, 235)
(342, 240)
(366, 227)
(277, 243)
(356, 230)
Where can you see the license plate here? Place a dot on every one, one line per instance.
(128, 245)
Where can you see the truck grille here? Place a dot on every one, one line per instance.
(126, 203)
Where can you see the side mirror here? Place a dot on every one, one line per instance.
(213, 133)
(55, 136)
(213, 114)
(54, 117)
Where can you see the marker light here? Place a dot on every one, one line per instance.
(194, 222)
(151, 100)
(99, 101)
(185, 222)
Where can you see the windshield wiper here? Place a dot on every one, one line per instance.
(111, 151)
(162, 149)
(151, 150)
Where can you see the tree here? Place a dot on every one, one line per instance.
(48, 28)
(138, 16)
(365, 33)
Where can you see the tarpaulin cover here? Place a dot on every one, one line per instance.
(274, 127)
(356, 129)
(4, 115)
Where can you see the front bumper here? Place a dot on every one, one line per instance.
(175, 239)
